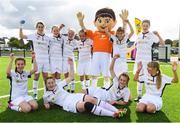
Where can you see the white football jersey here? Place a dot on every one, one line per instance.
(144, 44)
(55, 48)
(84, 48)
(19, 84)
(57, 96)
(115, 93)
(41, 47)
(150, 84)
(120, 47)
(68, 47)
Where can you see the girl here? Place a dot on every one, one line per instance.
(41, 48)
(84, 48)
(120, 44)
(69, 45)
(19, 99)
(117, 91)
(155, 83)
(76, 102)
(144, 44)
(55, 52)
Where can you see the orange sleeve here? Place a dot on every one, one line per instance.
(89, 34)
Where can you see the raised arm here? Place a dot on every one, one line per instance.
(80, 17)
(34, 64)
(71, 73)
(161, 41)
(61, 26)
(21, 35)
(136, 76)
(131, 29)
(124, 16)
(174, 70)
(8, 70)
(112, 65)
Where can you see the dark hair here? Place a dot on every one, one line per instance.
(125, 75)
(53, 27)
(157, 66)
(105, 12)
(120, 29)
(19, 59)
(82, 31)
(39, 23)
(146, 21)
(50, 77)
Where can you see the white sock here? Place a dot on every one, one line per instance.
(97, 110)
(72, 85)
(139, 88)
(35, 87)
(15, 108)
(69, 86)
(107, 106)
(94, 83)
(83, 84)
(106, 84)
(87, 83)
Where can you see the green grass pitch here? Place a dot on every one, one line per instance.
(169, 113)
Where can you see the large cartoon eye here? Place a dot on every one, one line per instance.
(99, 20)
(107, 20)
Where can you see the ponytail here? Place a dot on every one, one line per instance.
(158, 80)
(158, 74)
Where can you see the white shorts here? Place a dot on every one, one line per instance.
(99, 93)
(55, 66)
(143, 70)
(65, 66)
(120, 67)
(157, 101)
(43, 67)
(71, 101)
(100, 63)
(84, 68)
(20, 99)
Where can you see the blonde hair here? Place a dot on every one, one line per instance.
(157, 66)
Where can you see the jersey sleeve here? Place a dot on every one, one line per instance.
(115, 82)
(89, 33)
(28, 74)
(166, 79)
(126, 38)
(62, 84)
(12, 73)
(30, 37)
(142, 78)
(155, 39)
(126, 95)
(113, 39)
(90, 42)
(45, 98)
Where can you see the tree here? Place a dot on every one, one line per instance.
(175, 43)
(13, 42)
(168, 41)
(19, 44)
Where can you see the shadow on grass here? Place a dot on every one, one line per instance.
(157, 117)
(57, 114)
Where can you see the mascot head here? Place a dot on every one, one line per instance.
(105, 18)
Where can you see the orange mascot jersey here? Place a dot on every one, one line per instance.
(101, 42)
